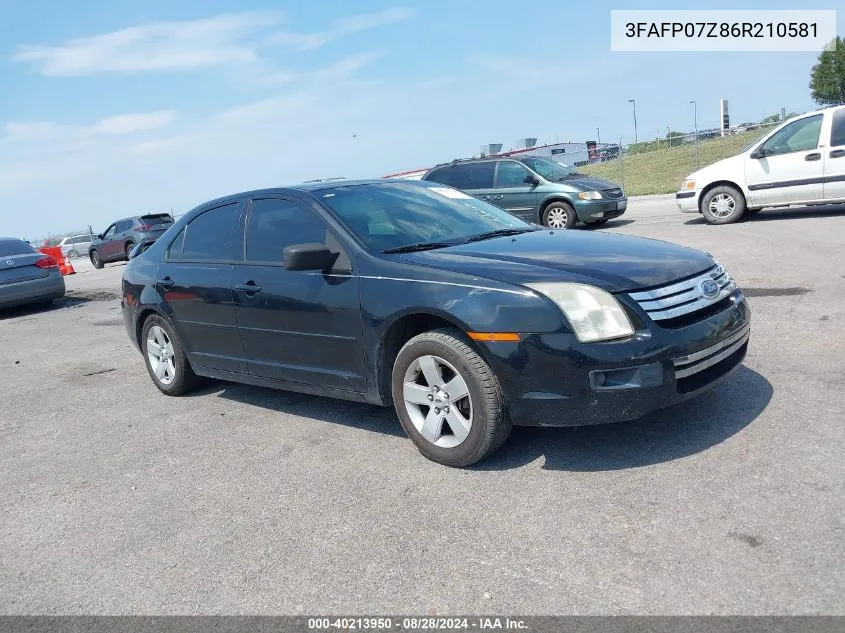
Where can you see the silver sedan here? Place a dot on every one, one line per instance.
(27, 276)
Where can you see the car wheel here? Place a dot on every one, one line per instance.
(448, 399)
(165, 357)
(73, 253)
(128, 249)
(96, 259)
(559, 215)
(722, 205)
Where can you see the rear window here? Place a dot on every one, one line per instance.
(14, 247)
(157, 218)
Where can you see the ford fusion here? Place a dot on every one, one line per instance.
(463, 317)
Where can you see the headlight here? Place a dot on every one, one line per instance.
(689, 183)
(595, 315)
(589, 195)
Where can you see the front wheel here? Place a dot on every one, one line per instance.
(72, 254)
(96, 260)
(128, 249)
(559, 215)
(448, 399)
(722, 205)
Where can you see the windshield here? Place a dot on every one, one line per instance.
(549, 169)
(394, 215)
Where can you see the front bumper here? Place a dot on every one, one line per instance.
(605, 209)
(687, 201)
(553, 380)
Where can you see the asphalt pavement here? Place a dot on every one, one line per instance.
(116, 499)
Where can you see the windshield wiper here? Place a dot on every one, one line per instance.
(498, 233)
(422, 246)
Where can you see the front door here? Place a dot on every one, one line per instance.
(790, 167)
(512, 193)
(834, 159)
(297, 326)
(106, 246)
(195, 284)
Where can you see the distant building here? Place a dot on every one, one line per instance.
(571, 154)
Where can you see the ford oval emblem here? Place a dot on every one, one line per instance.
(709, 289)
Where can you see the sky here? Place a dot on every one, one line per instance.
(115, 108)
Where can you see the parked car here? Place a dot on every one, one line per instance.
(801, 162)
(535, 189)
(116, 242)
(26, 275)
(74, 245)
(464, 317)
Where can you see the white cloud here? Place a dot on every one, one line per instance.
(343, 68)
(339, 28)
(214, 41)
(41, 131)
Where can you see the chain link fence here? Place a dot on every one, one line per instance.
(660, 165)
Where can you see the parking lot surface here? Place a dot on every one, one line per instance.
(240, 500)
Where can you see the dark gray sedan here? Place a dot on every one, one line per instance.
(27, 276)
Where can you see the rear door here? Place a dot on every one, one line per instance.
(194, 280)
(834, 159)
(512, 193)
(17, 262)
(476, 179)
(297, 326)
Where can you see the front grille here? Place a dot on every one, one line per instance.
(690, 364)
(683, 297)
(612, 193)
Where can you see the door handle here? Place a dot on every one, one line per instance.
(813, 156)
(165, 283)
(837, 153)
(249, 288)
(499, 197)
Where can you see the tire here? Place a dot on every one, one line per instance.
(178, 378)
(128, 249)
(482, 406)
(555, 210)
(96, 259)
(722, 205)
(73, 254)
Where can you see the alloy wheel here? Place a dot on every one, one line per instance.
(722, 205)
(438, 401)
(160, 355)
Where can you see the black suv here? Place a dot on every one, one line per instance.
(535, 189)
(116, 242)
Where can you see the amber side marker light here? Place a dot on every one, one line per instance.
(489, 337)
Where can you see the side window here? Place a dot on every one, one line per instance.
(800, 136)
(174, 251)
(214, 236)
(275, 223)
(837, 130)
(442, 175)
(474, 175)
(123, 226)
(511, 174)
(110, 231)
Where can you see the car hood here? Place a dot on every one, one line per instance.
(587, 183)
(617, 263)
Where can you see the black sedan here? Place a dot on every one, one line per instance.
(462, 316)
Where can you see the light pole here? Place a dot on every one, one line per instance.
(695, 131)
(634, 103)
(598, 137)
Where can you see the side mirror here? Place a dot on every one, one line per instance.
(531, 179)
(308, 257)
(99, 236)
(758, 153)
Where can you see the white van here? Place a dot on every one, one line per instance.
(801, 162)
